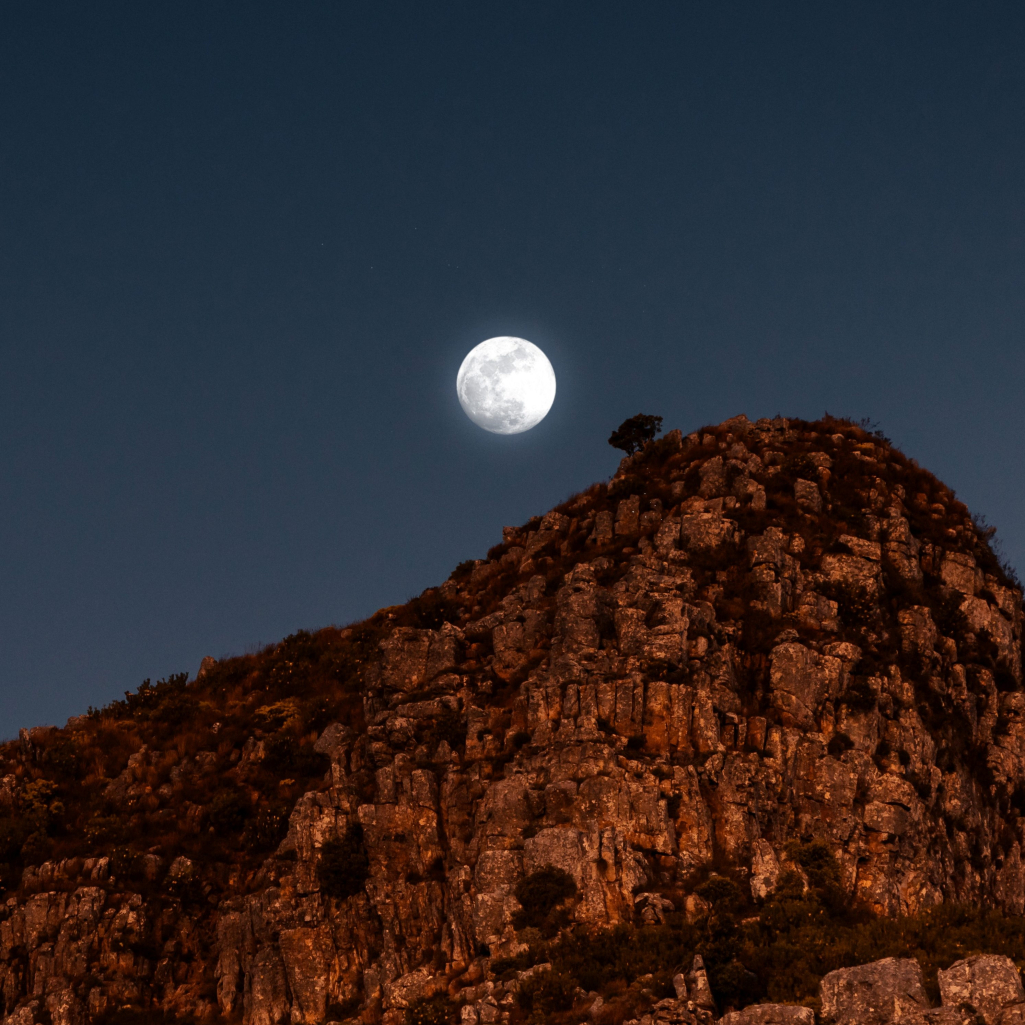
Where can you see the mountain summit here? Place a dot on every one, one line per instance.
(748, 713)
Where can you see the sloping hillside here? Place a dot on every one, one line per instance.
(758, 698)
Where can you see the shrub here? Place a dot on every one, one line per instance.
(125, 865)
(344, 866)
(36, 849)
(838, 744)
(976, 759)
(174, 711)
(135, 1016)
(266, 829)
(37, 800)
(859, 695)
(450, 726)
(722, 894)
(922, 783)
(506, 968)
(431, 610)
(733, 984)
(105, 829)
(1005, 681)
(293, 662)
(818, 862)
(285, 755)
(228, 812)
(434, 1010)
(797, 465)
(856, 604)
(319, 712)
(949, 619)
(542, 895)
(62, 756)
(546, 993)
(9, 877)
(464, 569)
(339, 1012)
(154, 700)
(281, 715)
(13, 833)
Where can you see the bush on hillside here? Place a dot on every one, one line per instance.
(778, 951)
(344, 866)
(450, 726)
(546, 993)
(286, 755)
(161, 700)
(229, 811)
(266, 829)
(102, 830)
(435, 1010)
(542, 896)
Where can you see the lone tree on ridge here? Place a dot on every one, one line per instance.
(635, 433)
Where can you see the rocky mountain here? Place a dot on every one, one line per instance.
(703, 738)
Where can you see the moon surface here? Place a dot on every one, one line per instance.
(506, 385)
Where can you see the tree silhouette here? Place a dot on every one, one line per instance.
(635, 433)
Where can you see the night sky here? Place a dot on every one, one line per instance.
(245, 247)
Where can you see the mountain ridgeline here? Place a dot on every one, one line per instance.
(747, 714)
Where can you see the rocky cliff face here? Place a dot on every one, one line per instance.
(759, 636)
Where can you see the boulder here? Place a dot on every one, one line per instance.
(808, 495)
(990, 983)
(603, 528)
(801, 680)
(878, 993)
(698, 987)
(703, 531)
(960, 572)
(666, 1012)
(764, 869)
(770, 1014)
(918, 634)
(627, 516)
(940, 1016)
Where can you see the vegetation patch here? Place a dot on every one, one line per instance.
(229, 811)
(543, 897)
(546, 993)
(777, 950)
(343, 866)
(436, 1010)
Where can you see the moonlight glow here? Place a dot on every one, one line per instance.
(506, 385)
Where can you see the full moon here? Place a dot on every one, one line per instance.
(506, 385)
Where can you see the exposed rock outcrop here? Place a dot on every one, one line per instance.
(982, 989)
(990, 985)
(761, 633)
(874, 994)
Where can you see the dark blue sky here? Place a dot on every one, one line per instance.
(244, 248)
